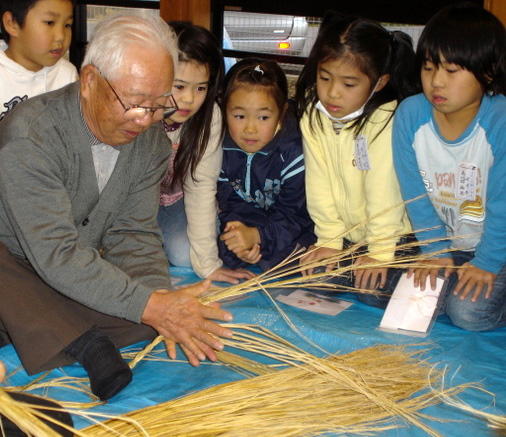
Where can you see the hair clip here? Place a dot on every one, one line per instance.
(257, 68)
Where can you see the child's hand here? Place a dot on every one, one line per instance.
(239, 238)
(430, 267)
(471, 276)
(251, 256)
(316, 255)
(223, 274)
(375, 276)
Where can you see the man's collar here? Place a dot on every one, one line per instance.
(94, 141)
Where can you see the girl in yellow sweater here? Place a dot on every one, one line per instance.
(356, 74)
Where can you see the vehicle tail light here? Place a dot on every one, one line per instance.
(284, 45)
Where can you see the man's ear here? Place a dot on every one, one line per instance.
(10, 25)
(382, 81)
(88, 80)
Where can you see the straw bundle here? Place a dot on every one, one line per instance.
(28, 417)
(33, 419)
(359, 393)
(287, 274)
(283, 402)
(494, 421)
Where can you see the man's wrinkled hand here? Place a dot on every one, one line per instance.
(179, 316)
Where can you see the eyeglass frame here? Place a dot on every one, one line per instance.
(168, 110)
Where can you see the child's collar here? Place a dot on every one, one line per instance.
(171, 127)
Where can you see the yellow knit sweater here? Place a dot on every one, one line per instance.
(340, 196)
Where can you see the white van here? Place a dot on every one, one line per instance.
(266, 33)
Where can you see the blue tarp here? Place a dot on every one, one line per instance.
(468, 357)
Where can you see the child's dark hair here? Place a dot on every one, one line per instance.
(372, 49)
(470, 37)
(19, 9)
(255, 72)
(197, 44)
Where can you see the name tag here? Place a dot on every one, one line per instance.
(466, 181)
(362, 153)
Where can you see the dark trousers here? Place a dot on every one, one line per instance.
(393, 274)
(40, 322)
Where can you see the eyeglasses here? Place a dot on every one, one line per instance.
(157, 112)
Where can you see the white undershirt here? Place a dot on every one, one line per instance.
(104, 159)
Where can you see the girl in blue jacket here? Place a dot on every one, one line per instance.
(261, 193)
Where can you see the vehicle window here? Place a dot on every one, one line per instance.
(281, 35)
(266, 33)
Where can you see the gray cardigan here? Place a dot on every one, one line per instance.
(52, 215)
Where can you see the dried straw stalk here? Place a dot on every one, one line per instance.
(357, 393)
(287, 274)
(3, 371)
(282, 276)
(28, 417)
(494, 421)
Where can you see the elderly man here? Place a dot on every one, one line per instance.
(81, 262)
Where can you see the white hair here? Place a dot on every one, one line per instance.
(113, 36)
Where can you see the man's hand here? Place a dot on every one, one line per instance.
(316, 255)
(471, 276)
(431, 268)
(375, 277)
(223, 274)
(180, 317)
(239, 238)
